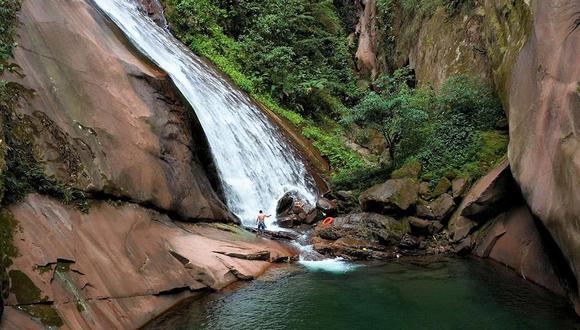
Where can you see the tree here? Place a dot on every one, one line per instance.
(393, 115)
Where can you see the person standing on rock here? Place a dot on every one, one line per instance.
(262, 221)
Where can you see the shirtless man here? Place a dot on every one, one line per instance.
(261, 221)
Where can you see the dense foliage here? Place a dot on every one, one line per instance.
(290, 55)
(294, 57)
(293, 50)
(449, 130)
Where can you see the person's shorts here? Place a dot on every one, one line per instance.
(261, 226)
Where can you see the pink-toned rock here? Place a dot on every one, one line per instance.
(125, 255)
(489, 196)
(544, 112)
(514, 240)
(106, 120)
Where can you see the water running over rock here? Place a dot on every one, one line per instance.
(255, 163)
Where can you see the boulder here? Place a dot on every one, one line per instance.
(285, 205)
(441, 188)
(409, 242)
(436, 227)
(312, 217)
(515, 240)
(460, 228)
(442, 207)
(373, 228)
(424, 190)
(423, 210)
(327, 206)
(411, 170)
(393, 196)
(489, 196)
(419, 226)
(458, 187)
(464, 247)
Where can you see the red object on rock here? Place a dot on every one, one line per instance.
(328, 221)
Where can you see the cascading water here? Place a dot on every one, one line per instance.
(253, 160)
(255, 163)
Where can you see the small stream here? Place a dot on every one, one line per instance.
(407, 294)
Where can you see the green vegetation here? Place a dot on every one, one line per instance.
(8, 226)
(294, 58)
(21, 170)
(45, 313)
(291, 56)
(448, 130)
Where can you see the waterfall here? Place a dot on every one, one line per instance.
(255, 163)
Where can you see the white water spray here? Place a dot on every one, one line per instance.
(255, 163)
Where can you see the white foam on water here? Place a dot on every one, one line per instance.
(336, 265)
(255, 163)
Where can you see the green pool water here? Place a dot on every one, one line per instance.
(407, 294)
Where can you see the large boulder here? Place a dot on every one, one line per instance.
(459, 186)
(393, 196)
(442, 207)
(460, 228)
(373, 228)
(515, 240)
(327, 206)
(489, 196)
(544, 103)
(286, 204)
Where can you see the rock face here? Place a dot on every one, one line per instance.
(111, 124)
(107, 121)
(514, 240)
(367, 61)
(544, 112)
(121, 263)
(357, 235)
(393, 196)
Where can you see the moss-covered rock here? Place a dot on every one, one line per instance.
(45, 313)
(393, 196)
(411, 169)
(442, 187)
(25, 291)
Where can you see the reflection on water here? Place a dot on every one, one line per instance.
(439, 294)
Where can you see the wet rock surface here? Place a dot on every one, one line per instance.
(122, 263)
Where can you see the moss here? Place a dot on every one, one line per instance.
(43, 269)
(45, 313)
(411, 169)
(442, 187)
(8, 227)
(24, 171)
(493, 149)
(506, 28)
(24, 289)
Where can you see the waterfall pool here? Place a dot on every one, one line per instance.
(441, 293)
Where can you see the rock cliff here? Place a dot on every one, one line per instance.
(544, 117)
(104, 121)
(528, 49)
